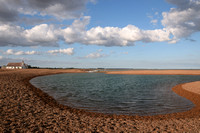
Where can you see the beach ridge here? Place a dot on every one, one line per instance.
(27, 108)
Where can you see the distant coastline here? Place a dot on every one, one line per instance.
(157, 72)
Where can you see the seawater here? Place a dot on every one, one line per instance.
(117, 94)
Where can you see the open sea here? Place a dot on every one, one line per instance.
(117, 94)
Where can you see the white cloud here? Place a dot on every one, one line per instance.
(18, 53)
(40, 35)
(13, 52)
(26, 53)
(11, 35)
(110, 36)
(184, 20)
(96, 55)
(68, 51)
(75, 32)
(154, 21)
(9, 52)
(47, 35)
(31, 52)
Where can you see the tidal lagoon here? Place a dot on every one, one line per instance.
(117, 94)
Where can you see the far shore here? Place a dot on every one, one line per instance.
(24, 108)
(156, 72)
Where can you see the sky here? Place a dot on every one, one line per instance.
(144, 34)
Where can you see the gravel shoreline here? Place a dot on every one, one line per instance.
(24, 108)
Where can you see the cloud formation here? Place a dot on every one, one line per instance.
(61, 9)
(48, 35)
(7, 14)
(40, 35)
(13, 52)
(184, 20)
(111, 36)
(154, 21)
(179, 22)
(95, 55)
(68, 51)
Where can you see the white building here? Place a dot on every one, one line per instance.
(17, 65)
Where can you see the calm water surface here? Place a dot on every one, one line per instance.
(118, 94)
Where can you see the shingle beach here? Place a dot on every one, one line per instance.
(24, 108)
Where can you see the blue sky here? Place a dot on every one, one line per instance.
(152, 34)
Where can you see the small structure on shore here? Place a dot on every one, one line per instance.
(17, 65)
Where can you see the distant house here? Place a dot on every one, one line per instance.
(17, 65)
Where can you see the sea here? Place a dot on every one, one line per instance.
(117, 94)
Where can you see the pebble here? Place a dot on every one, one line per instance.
(24, 108)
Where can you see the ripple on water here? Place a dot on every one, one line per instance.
(117, 94)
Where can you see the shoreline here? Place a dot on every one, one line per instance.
(82, 120)
(156, 72)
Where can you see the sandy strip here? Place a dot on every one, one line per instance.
(24, 108)
(193, 87)
(157, 72)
